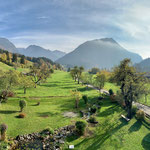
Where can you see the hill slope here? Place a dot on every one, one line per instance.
(7, 45)
(101, 53)
(37, 51)
(143, 66)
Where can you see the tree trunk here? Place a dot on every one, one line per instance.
(76, 103)
(145, 98)
(25, 90)
(35, 85)
(78, 81)
(129, 110)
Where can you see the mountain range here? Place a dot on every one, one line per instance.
(102, 53)
(32, 50)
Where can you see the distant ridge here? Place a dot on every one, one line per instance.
(7, 45)
(101, 53)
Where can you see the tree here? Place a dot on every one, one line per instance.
(3, 129)
(8, 56)
(22, 104)
(87, 79)
(77, 95)
(9, 79)
(80, 127)
(94, 71)
(100, 80)
(76, 73)
(22, 60)
(14, 58)
(25, 82)
(132, 84)
(39, 73)
(4, 57)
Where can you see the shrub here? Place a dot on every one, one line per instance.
(22, 104)
(134, 109)
(111, 92)
(84, 97)
(93, 110)
(80, 127)
(22, 115)
(92, 120)
(3, 145)
(49, 129)
(10, 94)
(140, 115)
(3, 128)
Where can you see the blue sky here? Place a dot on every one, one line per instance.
(64, 24)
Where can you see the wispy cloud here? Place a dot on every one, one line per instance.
(64, 24)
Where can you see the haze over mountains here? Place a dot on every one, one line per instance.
(101, 53)
(32, 50)
(37, 51)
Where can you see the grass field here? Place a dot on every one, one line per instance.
(54, 96)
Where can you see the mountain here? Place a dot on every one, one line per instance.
(143, 66)
(37, 51)
(7, 45)
(101, 53)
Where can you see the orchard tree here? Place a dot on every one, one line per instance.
(14, 58)
(22, 60)
(39, 73)
(77, 96)
(100, 80)
(25, 82)
(9, 80)
(86, 79)
(132, 84)
(22, 104)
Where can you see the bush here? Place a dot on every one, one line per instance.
(10, 94)
(93, 110)
(84, 97)
(134, 109)
(22, 104)
(80, 127)
(140, 115)
(49, 129)
(3, 145)
(111, 92)
(3, 128)
(22, 115)
(92, 120)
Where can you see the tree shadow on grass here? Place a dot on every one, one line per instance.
(8, 111)
(83, 89)
(111, 110)
(99, 139)
(146, 142)
(135, 127)
(46, 114)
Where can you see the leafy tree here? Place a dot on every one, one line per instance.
(25, 82)
(85, 98)
(94, 71)
(76, 73)
(131, 83)
(9, 79)
(77, 95)
(100, 80)
(8, 56)
(22, 104)
(39, 73)
(3, 128)
(22, 60)
(14, 58)
(80, 126)
(86, 78)
(4, 57)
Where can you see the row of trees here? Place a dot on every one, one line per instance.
(12, 57)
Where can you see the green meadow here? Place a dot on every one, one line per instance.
(55, 98)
